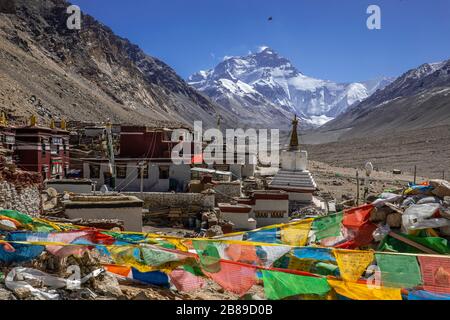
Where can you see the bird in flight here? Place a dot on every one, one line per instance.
(270, 19)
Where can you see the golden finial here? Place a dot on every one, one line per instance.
(63, 124)
(3, 120)
(33, 121)
(52, 124)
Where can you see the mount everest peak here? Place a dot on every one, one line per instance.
(264, 82)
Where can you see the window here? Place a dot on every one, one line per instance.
(164, 172)
(10, 140)
(56, 168)
(65, 146)
(121, 171)
(145, 172)
(43, 146)
(277, 214)
(94, 171)
(261, 214)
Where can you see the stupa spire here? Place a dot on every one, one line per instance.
(294, 145)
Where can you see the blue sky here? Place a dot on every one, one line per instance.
(327, 39)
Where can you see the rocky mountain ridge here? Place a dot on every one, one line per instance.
(89, 74)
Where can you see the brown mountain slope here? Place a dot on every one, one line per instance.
(87, 75)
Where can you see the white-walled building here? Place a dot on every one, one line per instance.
(266, 207)
(124, 208)
(159, 175)
(79, 186)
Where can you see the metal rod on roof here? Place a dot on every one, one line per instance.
(415, 174)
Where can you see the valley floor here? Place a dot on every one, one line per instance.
(428, 149)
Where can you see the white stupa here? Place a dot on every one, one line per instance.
(293, 176)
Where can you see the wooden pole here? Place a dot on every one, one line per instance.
(412, 243)
(357, 188)
(141, 168)
(415, 174)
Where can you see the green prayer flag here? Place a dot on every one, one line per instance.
(440, 245)
(280, 285)
(42, 227)
(329, 226)
(155, 258)
(399, 271)
(193, 268)
(208, 254)
(16, 215)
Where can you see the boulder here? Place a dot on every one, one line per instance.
(380, 214)
(441, 188)
(394, 220)
(214, 231)
(6, 294)
(107, 285)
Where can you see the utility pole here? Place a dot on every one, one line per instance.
(110, 153)
(357, 188)
(369, 170)
(142, 165)
(415, 174)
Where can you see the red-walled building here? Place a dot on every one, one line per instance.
(43, 150)
(143, 142)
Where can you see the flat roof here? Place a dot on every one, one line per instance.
(212, 171)
(68, 181)
(127, 159)
(102, 201)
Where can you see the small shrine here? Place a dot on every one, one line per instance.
(293, 176)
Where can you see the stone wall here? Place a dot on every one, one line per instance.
(26, 200)
(19, 190)
(226, 191)
(180, 200)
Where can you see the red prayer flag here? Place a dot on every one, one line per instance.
(435, 274)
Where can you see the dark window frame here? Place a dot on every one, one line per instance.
(96, 170)
(145, 172)
(164, 172)
(121, 170)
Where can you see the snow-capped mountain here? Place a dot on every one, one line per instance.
(417, 99)
(264, 82)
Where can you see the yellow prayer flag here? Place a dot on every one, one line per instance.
(300, 264)
(179, 244)
(124, 256)
(358, 291)
(296, 234)
(352, 264)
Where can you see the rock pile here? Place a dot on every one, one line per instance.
(19, 190)
(419, 207)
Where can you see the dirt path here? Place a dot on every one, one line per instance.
(339, 181)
